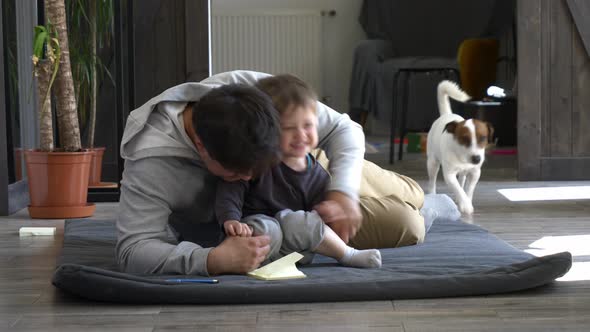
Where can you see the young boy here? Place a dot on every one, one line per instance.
(289, 193)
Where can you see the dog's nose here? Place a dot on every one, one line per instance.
(475, 159)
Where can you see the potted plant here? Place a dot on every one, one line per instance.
(90, 25)
(58, 178)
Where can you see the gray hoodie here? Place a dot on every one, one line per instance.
(165, 181)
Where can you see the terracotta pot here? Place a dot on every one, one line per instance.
(58, 184)
(95, 166)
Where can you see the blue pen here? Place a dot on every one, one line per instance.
(195, 281)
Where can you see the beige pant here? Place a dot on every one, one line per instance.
(390, 205)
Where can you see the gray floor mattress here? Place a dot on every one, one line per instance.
(456, 259)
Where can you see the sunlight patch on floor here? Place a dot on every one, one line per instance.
(546, 193)
(579, 271)
(577, 245)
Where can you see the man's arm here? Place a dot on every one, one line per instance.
(344, 143)
(148, 196)
(145, 244)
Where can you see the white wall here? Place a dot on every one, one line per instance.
(340, 36)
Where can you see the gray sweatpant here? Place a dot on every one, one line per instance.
(289, 231)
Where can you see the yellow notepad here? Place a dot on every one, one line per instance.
(280, 269)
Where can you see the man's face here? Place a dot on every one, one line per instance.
(218, 170)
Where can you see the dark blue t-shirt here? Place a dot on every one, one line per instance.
(276, 190)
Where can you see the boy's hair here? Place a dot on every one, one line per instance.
(239, 127)
(288, 91)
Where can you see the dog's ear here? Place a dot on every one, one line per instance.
(451, 126)
(490, 132)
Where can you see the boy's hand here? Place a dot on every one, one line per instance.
(341, 213)
(236, 228)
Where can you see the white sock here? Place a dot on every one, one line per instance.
(369, 258)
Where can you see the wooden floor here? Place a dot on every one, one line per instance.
(28, 301)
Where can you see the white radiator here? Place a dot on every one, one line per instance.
(271, 43)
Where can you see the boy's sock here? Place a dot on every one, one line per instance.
(369, 258)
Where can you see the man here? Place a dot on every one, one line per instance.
(175, 150)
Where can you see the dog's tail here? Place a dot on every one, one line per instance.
(448, 89)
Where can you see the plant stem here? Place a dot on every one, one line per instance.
(67, 116)
(94, 88)
(43, 71)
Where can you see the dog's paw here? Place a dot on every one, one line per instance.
(466, 208)
(468, 219)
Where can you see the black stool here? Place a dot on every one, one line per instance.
(408, 73)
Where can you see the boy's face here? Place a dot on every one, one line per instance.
(299, 133)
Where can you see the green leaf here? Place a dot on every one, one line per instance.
(41, 37)
(105, 70)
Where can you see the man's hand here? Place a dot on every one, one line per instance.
(341, 213)
(238, 254)
(330, 210)
(236, 228)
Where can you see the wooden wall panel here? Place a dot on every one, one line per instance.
(571, 169)
(159, 39)
(3, 132)
(580, 96)
(197, 40)
(560, 80)
(545, 53)
(553, 93)
(171, 45)
(529, 88)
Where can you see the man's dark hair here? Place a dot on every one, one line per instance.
(239, 127)
(288, 91)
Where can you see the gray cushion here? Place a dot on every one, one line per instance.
(456, 259)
